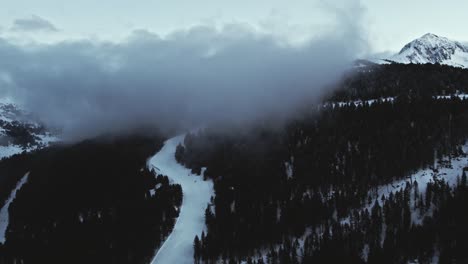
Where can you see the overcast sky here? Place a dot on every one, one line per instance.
(389, 24)
(238, 70)
(181, 64)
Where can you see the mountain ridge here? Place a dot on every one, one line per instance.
(434, 49)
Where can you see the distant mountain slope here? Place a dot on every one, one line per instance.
(20, 131)
(433, 49)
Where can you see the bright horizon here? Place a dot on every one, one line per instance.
(387, 25)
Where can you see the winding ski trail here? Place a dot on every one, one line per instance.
(178, 247)
(4, 215)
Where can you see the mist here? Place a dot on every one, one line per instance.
(193, 77)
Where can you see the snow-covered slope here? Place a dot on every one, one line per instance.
(4, 216)
(20, 131)
(448, 169)
(431, 48)
(178, 247)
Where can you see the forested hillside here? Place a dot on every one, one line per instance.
(92, 202)
(306, 191)
(388, 80)
(282, 192)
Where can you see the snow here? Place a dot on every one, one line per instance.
(12, 114)
(4, 214)
(178, 247)
(233, 206)
(449, 174)
(384, 100)
(358, 102)
(47, 139)
(10, 150)
(43, 141)
(433, 49)
(365, 252)
(459, 59)
(379, 61)
(461, 96)
(447, 169)
(153, 191)
(7, 101)
(289, 166)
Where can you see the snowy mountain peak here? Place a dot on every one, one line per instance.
(432, 48)
(431, 37)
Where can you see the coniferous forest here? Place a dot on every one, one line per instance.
(303, 190)
(336, 158)
(281, 194)
(91, 201)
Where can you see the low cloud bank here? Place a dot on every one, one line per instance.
(190, 78)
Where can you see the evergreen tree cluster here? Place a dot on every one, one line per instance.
(336, 155)
(388, 80)
(298, 193)
(92, 202)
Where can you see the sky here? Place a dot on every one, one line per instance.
(388, 24)
(190, 76)
(90, 67)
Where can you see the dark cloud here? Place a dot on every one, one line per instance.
(190, 78)
(33, 23)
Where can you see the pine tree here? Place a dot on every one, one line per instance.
(196, 249)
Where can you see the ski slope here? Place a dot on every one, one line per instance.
(4, 216)
(178, 247)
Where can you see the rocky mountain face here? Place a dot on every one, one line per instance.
(433, 49)
(20, 131)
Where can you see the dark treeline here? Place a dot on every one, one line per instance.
(402, 79)
(93, 202)
(336, 156)
(389, 232)
(280, 193)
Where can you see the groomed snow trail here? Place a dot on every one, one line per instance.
(4, 216)
(178, 247)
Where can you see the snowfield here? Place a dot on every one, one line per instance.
(10, 150)
(197, 193)
(4, 216)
